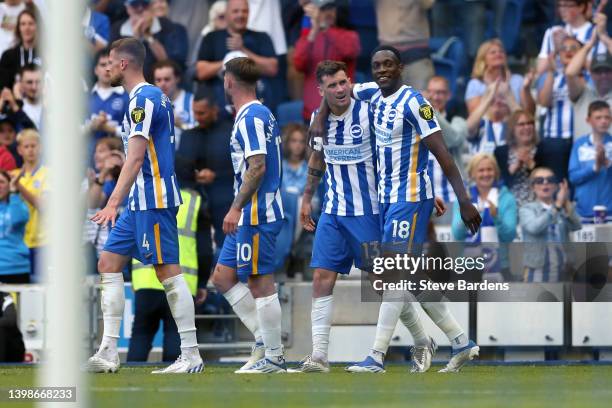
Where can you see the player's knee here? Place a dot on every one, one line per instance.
(104, 265)
(322, 283)
(220, 280)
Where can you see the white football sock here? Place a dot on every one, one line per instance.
(113, 303)
(321, 316)
(182, 308)
(411, 319)
(269, 316)
(243, 303)
(443, 318)
(388, 315)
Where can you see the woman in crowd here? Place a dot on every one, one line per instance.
(496, 206)
(519, 156)
(25, 52)
(546, 223)
(491, 66)
(14, 214)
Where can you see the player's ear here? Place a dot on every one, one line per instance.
(321, 93)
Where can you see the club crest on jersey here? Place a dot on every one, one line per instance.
(356, 131)
(137, 114)
(392, 114)
(426, 111)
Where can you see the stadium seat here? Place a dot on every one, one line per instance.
(449, 59)
(289, 112)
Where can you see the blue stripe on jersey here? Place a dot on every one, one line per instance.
(335, 201)
(388, 158)
(252, 136)
(431, 123)
(348, 191)
(379, 119)
(364, 187)
(391, 121)
(340, 132)
(422, 169)
(355, 120)
(405, 163)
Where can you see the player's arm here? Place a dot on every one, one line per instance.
(469, 214)
(573, 71)
(317, 127)
(316, 169)
(250, 184)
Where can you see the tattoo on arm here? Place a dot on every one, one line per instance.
(252, 180)
(316, 169)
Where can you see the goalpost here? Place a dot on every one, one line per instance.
(64, 149)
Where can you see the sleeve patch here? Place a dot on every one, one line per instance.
(426, 111)
(137, 114)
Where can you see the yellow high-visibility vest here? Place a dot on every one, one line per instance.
(144, 277)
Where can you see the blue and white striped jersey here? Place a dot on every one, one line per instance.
(490, 135)
(582, 34)
(559, 118)
(183, 108)
(351, 165)
(256, 132)
(400, 121)
(150, 115)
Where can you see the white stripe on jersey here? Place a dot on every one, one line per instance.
(399, 122)
(145, 130)
(140, 185)
(177, 195)
(351, 166)
(559, 119)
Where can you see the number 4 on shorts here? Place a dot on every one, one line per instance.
(145, 242)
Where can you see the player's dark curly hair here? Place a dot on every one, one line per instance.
(387, 48)
(328, 67)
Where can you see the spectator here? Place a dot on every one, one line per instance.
(12, 349)
(546, 223)
(204, 164)
(9, 10)
(7, 161)
(12, 112)
(581, 92)
(8, 139)
(490, 66)
(216, 21)
(454, 130)
(31, 183)
(96, 27)
(30, 89)
(519, 156)
(487, 123)
(295, 167)
(265, 16)
(22, 54)
(496, 206)
(575, 15)
(167, 76)
(470, 15)
(107, 104)
(14, 255)
(162, 38)
(405, 26)
(235, 38)
(590, 167)
(160, 8)
(324, 41)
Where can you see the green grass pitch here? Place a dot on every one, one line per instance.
(475, 387)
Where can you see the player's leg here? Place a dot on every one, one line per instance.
(238, 295)
(113, 259)
(157, 238)
(255, 262)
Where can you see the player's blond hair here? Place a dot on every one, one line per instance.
(28, 134)
(477, 159)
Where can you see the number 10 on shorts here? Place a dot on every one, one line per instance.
(244, 252)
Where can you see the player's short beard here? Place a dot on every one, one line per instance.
(116, 80)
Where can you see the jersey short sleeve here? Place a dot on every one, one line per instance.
(253, 130)
(420, 114)
(365, 92)
(141, 112)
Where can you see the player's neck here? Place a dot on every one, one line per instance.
(241, 100)
(390, 91)
(30, 166)
(597, 137)
(578, 22)
(338, 110)
(130, 83)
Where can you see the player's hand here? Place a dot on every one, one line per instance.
(205, 176)
(439, 206)
(201, 296)
(234, 42)
(231, 220)
(305, 217)
(316, 130)
(470, 216)
(562, 194)
(105, 215)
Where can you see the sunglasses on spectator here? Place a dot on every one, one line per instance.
(543, 180)
(567, 48)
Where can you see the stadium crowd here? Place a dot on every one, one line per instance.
(525, 112)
